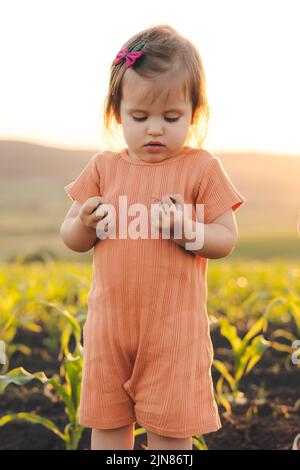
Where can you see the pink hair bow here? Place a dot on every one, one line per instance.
(130, 56)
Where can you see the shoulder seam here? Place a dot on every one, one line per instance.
(205, 172)
(95, 156)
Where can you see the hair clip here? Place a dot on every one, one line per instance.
(130, 54)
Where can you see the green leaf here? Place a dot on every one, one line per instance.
(220, 366)
(254, 330)
(280, 333)
(73, 432)
(230, 332)
(281, 347)
(20, 347)
(252, 354)
(73, 377)
(200, 443)
(139, 431)
(221, 395)
(64, 396)
(32, 418)
(20, 376)
(65, 339)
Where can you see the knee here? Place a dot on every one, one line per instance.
(114, 438)
(112, 430)
(159, 442)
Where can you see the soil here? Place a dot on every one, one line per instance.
(270, 424)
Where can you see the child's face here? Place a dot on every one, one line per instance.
(155, 119)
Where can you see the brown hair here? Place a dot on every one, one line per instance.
(166, 50)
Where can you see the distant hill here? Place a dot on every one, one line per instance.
(22, 159)
(33, 202)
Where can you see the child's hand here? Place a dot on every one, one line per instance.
(88, 214)
(104, 227)
(168, 213)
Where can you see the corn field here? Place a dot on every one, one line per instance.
(254, 313)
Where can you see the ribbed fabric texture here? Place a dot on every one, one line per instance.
(147, 346)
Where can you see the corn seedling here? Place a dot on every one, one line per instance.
(246, 353)
(67, 386)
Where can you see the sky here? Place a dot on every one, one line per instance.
(56, 55)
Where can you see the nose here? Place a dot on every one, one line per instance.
(155, 132)
(155, 128)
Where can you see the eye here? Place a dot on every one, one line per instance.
(139, 119)
(171, 119)
(167, 119)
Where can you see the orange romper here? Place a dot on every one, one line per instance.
(147, 347)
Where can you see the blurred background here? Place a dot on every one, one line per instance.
(55, 60)
(55, 69)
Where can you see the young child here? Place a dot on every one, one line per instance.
(147, 346)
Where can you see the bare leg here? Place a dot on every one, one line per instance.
(117, 439)
(156, 442)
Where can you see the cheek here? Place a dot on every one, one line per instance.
(132, 131)
(179, 130)
(129, 126)
(135, 130)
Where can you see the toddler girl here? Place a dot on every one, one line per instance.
(147, 346)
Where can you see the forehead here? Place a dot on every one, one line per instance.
(164, 91)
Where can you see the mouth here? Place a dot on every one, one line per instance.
(154, 144)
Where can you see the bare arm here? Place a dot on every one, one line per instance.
(78, 230)
(77, 236)
(214, 240)
(219, 236)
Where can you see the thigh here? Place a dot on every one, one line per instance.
(104, 402)
(174, 390)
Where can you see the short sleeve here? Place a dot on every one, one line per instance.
(87, 183)
(216, 192)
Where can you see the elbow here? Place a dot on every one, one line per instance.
(228, 248)
(64, 238)
(220, 249)
(227, 252)
(217, 252)
(66, 242)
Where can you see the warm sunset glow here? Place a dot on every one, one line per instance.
(56, 56)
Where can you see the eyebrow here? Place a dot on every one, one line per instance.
(167, 111)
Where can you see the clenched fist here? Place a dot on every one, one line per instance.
(88, 213)
(168, 214)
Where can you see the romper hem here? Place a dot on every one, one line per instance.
(175, 433)
(89, 422)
